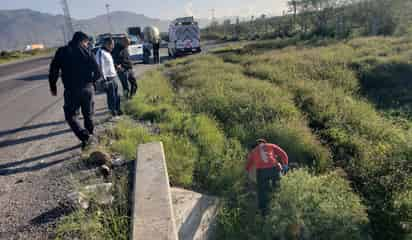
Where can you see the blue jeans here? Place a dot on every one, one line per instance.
(113, 97)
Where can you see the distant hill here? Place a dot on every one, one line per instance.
(120, 21)
(22, 27)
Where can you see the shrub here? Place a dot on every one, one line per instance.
(154, 98)
(180, 157)
(128, 136)
(317, 207)
(324, 84)
(246, 107)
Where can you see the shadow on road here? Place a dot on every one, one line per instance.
(37, 167)
(12, 142)
(32, 127)
(37, 158)
(34, 77)
(50, 216)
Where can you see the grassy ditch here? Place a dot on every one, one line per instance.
(322, 101)
(361, 113)
(208, 123)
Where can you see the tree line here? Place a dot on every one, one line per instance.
(328, 18)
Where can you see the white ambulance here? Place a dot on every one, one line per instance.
(184, 37)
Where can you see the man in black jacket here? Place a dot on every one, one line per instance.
(124, 67)
(79, 72)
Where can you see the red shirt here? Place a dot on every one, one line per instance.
(264, 156)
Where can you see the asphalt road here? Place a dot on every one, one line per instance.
(36, 148)
(24, 92)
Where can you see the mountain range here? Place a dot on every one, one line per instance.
(24, 26)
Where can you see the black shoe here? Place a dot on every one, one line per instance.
(91, 141)
(84, 144)
(119, 113)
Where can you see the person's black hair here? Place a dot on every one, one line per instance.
(78, 37)
(107, 40)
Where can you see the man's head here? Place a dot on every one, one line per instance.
(260, 141)
(108, 44)
(80, 39)
(125, 42)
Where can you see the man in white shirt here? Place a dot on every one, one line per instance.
(106, 63)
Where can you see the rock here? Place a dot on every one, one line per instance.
(118, 162)
(85, 175)
(78, 200)
(98, 193)
(100, 158)
(19, 181)
(101, 193)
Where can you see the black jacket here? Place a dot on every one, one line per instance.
(78, 67)
(121, 57)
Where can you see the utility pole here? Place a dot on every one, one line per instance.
(109, 18)
(64, 35)
(213, 13)
(68, 20)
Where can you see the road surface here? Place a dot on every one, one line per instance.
(36, 149)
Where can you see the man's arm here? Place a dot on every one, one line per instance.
(281, 153)
(54, 72)
(127, 63)
(97, 72)
(249, 162)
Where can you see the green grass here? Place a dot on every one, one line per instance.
(320, 207)
(338, 87)
(8, 57)
(101, 222)
(339, 109)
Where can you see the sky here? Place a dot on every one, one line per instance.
(163, 9)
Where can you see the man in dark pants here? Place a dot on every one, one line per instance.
(79, 74)
(156, 49)
(124, 67)
(268, 170)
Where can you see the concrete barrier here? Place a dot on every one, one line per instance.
(152, 211)
(195, 214)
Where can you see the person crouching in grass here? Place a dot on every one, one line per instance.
(263, 158)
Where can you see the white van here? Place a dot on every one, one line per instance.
(184, 37)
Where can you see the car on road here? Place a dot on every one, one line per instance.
(135, 48)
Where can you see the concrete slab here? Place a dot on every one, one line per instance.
(195, 214)
(152, 213)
